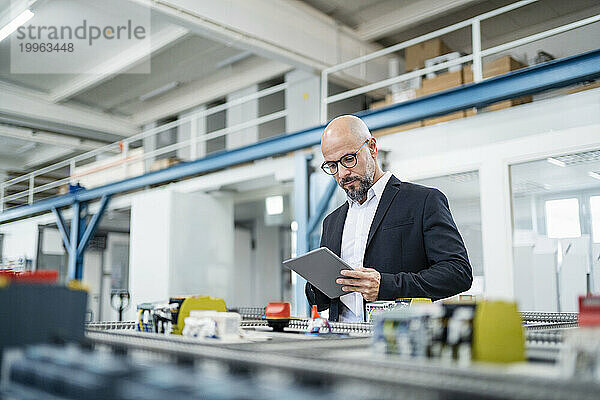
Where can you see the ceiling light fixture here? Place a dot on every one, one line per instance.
(233, 59)
(15, 24)
(274, 205)
(594, 175)
(554, 161)
(159, 91)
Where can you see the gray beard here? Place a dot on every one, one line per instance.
(364, 185)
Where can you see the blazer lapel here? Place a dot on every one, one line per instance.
(389, 193)
(338, 230)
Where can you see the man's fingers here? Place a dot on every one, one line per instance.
(367, 269)
(351, 282)
(353, 273)
(358, 289)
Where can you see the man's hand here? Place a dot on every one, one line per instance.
(366, 282)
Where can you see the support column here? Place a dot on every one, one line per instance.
(193, 131)
(3, 177)
(239, 114)
(149, 144)
(301, 207)
(302, 104)
(496, 229)
(81, 233)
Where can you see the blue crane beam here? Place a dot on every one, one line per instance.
(553, 74)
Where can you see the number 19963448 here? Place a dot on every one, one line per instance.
(46, 47)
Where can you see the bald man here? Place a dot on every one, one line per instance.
(399, 237)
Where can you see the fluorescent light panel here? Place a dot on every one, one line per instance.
(554, 161)
(159, 91)
(15, 24)
(274, 205)
(594, 175)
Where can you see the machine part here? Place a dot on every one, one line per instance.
(498, 332)
(123, 304)
(249, 312)
(382, 377)
(41, 313)
(187, 304)
(536, 316)
(278, 315)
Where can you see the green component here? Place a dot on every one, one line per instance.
(498, 332)
(187, 304)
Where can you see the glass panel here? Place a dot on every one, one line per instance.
(554, 254)
(462, 191)
(595, 210)
(562, 218)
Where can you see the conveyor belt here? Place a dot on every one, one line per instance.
(111, 325)
(549, 317)
(301, 325)
(382, 377)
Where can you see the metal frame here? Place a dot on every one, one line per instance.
(526, 81)
(122, 147)
(81, 233)
(476, 56)
(553, 74)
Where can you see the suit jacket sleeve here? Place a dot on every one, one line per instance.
(314, 295)
(449, 271)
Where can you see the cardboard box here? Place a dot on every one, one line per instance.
(394, 98)
(444, 118)
(499, 66)
(441, 82)
(380, 104)
(63, 189)
(415, 56)
(164, 163)
(398, 128)
(389, 100)
(584, 87)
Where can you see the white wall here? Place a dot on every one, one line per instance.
(20, 239)
(149, 248)
(490, 142)
(181, 244)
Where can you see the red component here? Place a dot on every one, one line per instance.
(315, 314)
(589, 310)
(278, 310)
(46, 276)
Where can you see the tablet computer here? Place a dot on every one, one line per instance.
(321, 267)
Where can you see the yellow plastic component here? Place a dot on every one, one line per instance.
(419, 300)
(74, 284)
(498, 332)
(3, 281)
(413, 300)
(196, 303)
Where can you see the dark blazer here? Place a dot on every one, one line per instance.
(413, 243)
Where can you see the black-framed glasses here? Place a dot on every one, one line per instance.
(348, 161)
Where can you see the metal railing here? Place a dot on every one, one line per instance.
(475, 57)
(127, 156)
(124, 148)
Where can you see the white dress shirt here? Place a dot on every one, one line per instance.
(354, 243)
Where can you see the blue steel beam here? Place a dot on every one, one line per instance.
(321, 207)
(72, 250)
(553, 74)
(93, 224)
(83, 214)
(62, 227)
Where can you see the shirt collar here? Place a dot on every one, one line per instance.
(374, 191)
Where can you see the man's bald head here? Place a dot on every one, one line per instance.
(347, 128)
(349, 136)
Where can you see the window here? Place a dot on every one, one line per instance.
(562, 218)
(595, 208)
